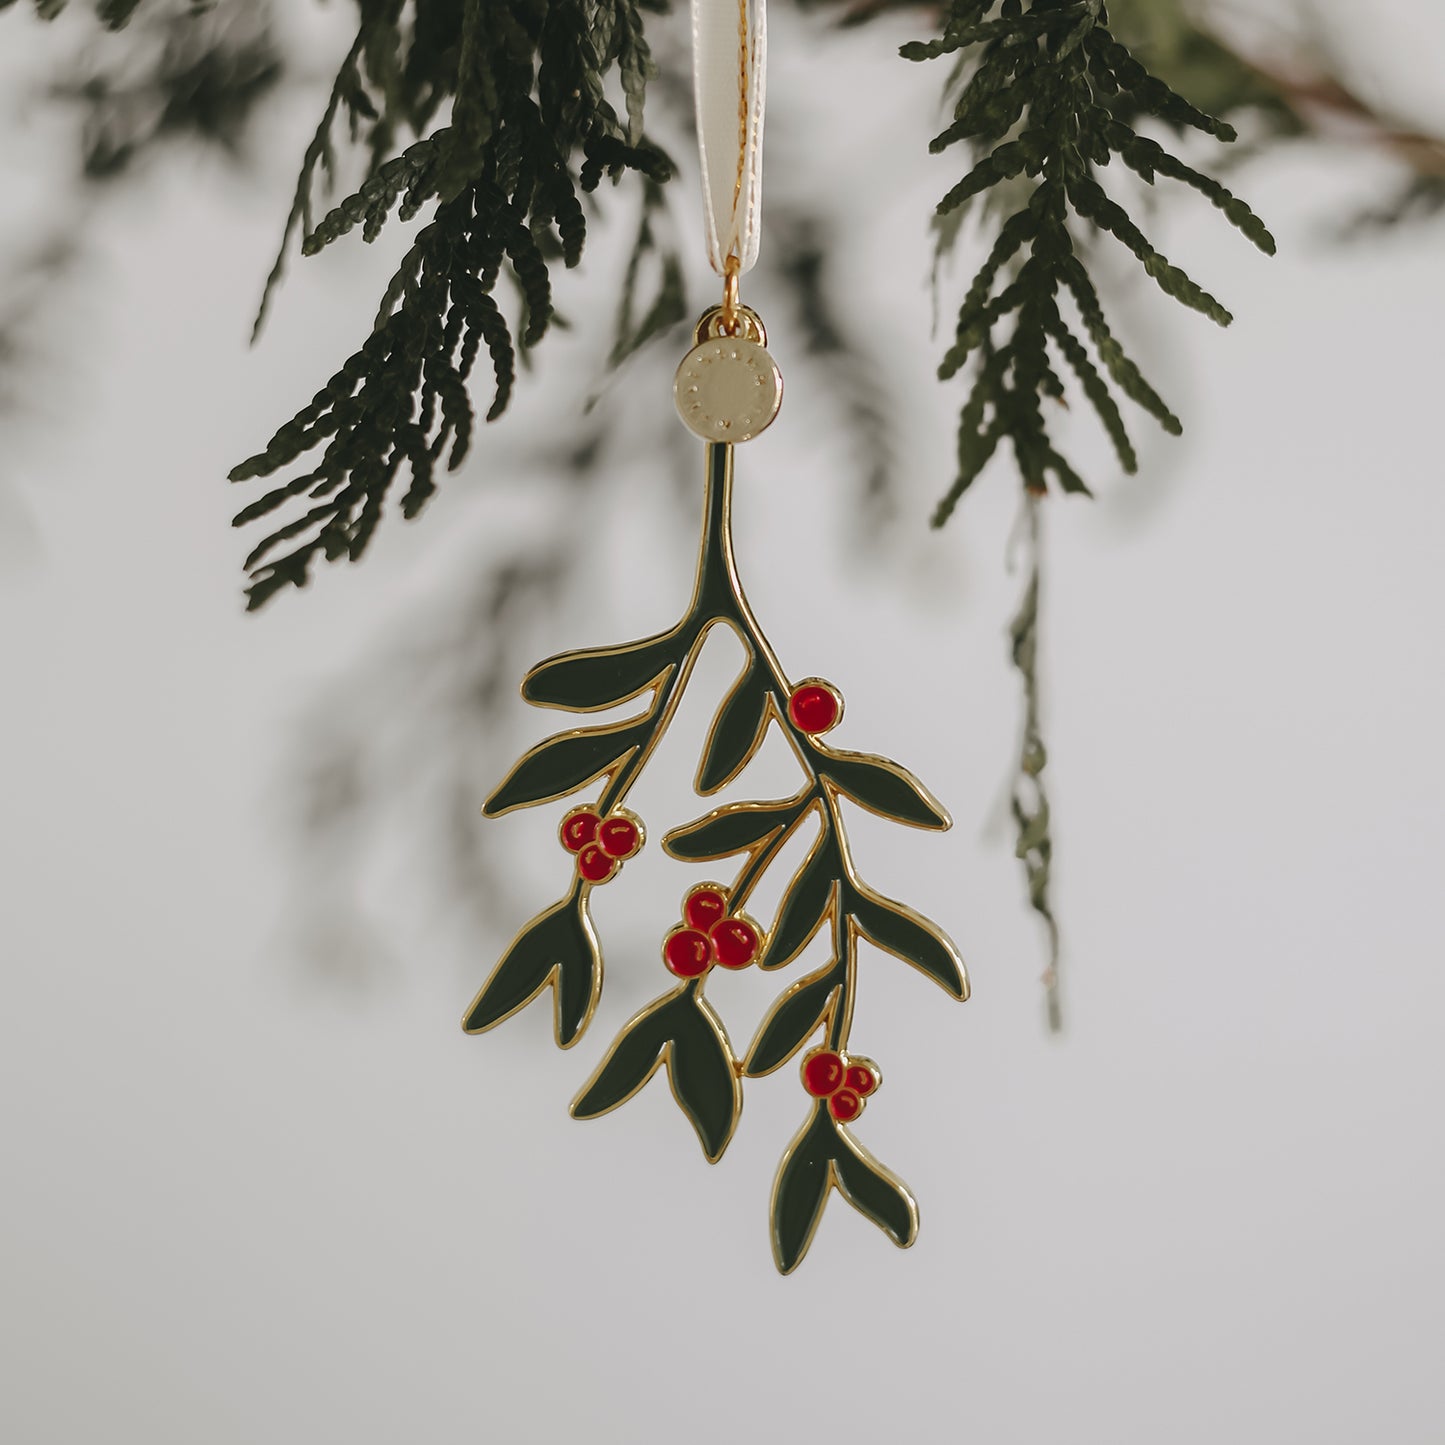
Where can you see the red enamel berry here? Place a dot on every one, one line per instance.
(594, 865)
(687, 952)
(704, 906)
(861, 1077)
(815, 706)
(578, 829)
(735, 942)
(620, 836)
(822, 1073)
(845, 1106)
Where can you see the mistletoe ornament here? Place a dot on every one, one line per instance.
(727, 390)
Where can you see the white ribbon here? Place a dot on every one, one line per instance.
(729, 46)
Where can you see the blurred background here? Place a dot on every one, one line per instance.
(258, 1186)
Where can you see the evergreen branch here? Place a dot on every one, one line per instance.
(398, 402)
(531, 125)
(320, 156)
(1034, 846)
(1043, 109)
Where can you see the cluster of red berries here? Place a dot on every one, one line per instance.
(709, 934)
(844, 1081)
(814, 706)
(602, 845)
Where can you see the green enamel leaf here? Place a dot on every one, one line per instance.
(790, 1021)
(562, 764)
(737, 732)
(911, 937)
(704, 1082)
(874, 1192)
(733, 829)
(558, 947)
(600, 677)
(629, 1064)
(803, 907)
(801, 1190)
(885, 788)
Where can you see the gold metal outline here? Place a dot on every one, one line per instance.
(899, 771)
(824, 1020)
(537, 748)
(664, 1059)
(616, 650)
(684, 927)
(719, 888)
(577, 899)
(636, 823)
(736, 916)
(757, 358)
(760, 731)
(827, 687)
(718, 598)
(833, 1182)
(923, 921)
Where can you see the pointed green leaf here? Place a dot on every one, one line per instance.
(884, 788)
(599, 677)
(736, 734)
(562, 764)
(630, 1062)
(804, 906)
(733, 829)
(558, 947)
(801, 1190)
(704, 1082)
(874, 1191)
(908, 935)
(796, 1014)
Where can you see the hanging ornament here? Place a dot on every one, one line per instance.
(727, 390)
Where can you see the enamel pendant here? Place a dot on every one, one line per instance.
(727, 390)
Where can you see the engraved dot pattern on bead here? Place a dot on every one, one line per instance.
(728, 389)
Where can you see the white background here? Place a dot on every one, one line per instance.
(249, 1200)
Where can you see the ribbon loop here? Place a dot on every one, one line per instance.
(729, 50)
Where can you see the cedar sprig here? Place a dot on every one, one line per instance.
(531, 129)
(1047, 103)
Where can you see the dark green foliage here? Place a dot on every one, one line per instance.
(558, 948)
(801, 1191)
(1050, 100)
(805, 902)
(628, 1064)
(884, 788)
(531, 128)
(909, 936)
(824, 1155)
(681, 1030)
(319, 164)
(564, 763)
(736, 733)
(793, 1018)
(874, 1192)
(703, 1080)
(733, 829)
(600, 677)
